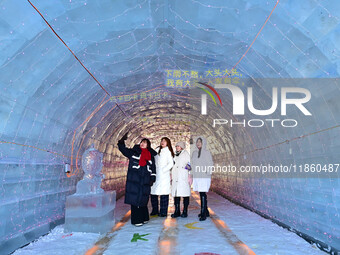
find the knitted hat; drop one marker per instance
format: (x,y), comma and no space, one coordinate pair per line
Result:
(181,144)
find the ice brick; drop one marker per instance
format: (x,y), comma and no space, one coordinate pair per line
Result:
(90,212)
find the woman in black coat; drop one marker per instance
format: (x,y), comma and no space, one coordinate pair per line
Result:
(140,177)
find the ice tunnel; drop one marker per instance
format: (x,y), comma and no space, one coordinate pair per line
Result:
(259,79)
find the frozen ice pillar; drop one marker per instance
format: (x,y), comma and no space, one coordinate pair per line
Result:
(90,209)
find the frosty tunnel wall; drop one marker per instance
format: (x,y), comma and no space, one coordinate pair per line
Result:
(307,203)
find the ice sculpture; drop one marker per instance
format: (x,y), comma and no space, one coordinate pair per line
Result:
(92,165)
(90,209)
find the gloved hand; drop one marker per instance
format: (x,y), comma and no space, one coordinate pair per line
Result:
(152,179)
(123,138)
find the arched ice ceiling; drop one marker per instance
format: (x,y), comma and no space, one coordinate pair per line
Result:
(49,101)
(128,45)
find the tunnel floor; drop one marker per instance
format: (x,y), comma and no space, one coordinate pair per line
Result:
(231,229)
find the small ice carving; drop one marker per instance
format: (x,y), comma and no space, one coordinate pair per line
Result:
(90,209)
(92,165)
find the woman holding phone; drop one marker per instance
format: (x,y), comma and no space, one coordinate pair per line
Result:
(141,175)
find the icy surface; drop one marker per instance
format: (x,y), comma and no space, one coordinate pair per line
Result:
(57,243)
(260,235)
(75,243)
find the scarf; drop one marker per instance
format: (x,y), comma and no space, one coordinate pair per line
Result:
(178,152)
(144,157)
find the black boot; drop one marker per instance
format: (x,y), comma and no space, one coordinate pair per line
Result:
(177,212)
(154,203)
(204,209)
(163,211)
(185,208)
(199,215)
(154,212)
(207,211)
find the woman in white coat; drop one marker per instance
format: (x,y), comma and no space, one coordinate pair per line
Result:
(202,162)
(181,180)
(164,163)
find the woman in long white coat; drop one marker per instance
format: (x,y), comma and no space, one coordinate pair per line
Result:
(201,161)
(164,163)
(181,180)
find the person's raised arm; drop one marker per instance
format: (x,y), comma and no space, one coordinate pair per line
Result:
(121,146)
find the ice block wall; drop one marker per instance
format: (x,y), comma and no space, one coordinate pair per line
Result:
(307,203)
(51,109)
(44,99)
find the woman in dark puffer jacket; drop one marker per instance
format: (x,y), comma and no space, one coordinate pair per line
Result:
(141,175)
